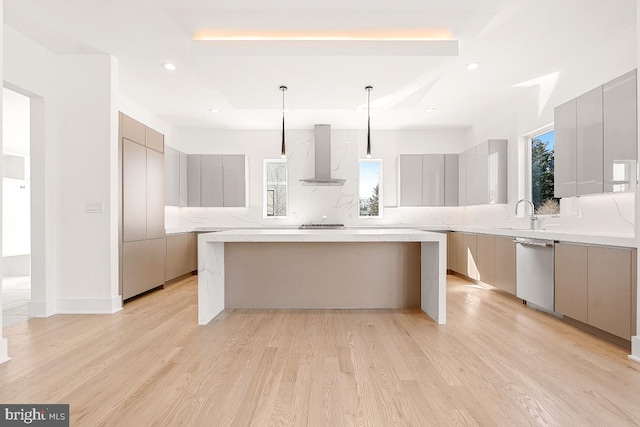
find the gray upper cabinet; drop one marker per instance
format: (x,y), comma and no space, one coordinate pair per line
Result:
(193,180)
(171,176)
(429,180)
(565,119)
(211,185)
(234,180)
(590,148)
(596,140)
(483,173)
(155,194)
(411,179)
(182,180)
(433,180)
(451,175)
(620,133)
(134,191)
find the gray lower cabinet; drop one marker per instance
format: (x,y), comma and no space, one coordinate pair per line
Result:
(485,245)
(590,148)
(505,264)
(620,131)
(143,266)
(565,119)
(595,285)
(470,257)
(181,257)
(193,180)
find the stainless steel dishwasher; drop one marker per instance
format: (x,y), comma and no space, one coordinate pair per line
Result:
(535,278)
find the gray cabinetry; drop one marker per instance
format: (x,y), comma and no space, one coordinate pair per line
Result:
(181,255)
(483,173)
(462,178)
(234,180)
(497,171)
(132,129)
(451,180)
(505,264)
(134,191)
(571,281)
(154,139)
(428,179)
(182,181)
(143,266)
(565,119)
(211,185)
(193,180)
(155,194)
(411,179)
(171,176)
(486,258)
(590,149)
(620,133)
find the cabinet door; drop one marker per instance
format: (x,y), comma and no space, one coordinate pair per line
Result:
(193,252)
(609,290)
(481,174)
(451,186)
(497,179)
(485,257)
(411,179)
(451,252)
(155,194)
(471,177)
(470,268)
(571,281)
(564,174)
(432,180)
(156,258)
(193,180)
(620,133)
(172,269)
(462,178)
(457,242)
(171,177)
(134,191)
(211,187)
(234,180)
(143,266)
(154,140)
(183,179)
(505,264)
(590,148)
(132,129)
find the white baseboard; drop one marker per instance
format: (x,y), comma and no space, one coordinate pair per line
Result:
(635,348)
(41,309)
(4,355)
(89,305)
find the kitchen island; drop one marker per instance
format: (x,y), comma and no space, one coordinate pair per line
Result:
(344,268)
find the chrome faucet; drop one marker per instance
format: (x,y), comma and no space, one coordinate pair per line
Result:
(533,218)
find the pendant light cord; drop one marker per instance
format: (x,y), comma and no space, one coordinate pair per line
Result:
(368,89)
(283,152)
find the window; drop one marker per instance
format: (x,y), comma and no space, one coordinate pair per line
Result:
(541,155)
(275,189)
(370,188)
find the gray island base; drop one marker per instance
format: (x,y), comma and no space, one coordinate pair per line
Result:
(333,269)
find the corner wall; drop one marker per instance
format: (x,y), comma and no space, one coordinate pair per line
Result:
(4,355)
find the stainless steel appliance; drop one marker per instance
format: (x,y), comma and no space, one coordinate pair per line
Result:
(535,281)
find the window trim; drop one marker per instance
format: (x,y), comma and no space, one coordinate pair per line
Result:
(380,191)
(265,188)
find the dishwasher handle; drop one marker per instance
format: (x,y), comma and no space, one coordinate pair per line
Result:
(534,243)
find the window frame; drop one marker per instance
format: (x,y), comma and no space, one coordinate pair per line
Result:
(265,188)
(528,176)
(380,190)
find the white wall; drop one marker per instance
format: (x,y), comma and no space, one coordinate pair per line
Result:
(4,355)
(74,161)
(635,341)
(310,204)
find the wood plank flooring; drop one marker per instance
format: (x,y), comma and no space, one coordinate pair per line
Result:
(496,363)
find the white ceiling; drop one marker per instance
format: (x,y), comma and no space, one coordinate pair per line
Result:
(514,40)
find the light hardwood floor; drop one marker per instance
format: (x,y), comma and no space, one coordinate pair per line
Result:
(496,363)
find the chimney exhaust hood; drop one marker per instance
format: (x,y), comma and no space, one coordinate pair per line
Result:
(323,159)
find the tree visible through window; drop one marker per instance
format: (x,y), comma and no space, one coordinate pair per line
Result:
(542,147)
(369,192)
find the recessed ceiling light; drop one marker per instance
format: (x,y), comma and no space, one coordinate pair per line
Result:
(168,66)
(430,110)
(213,110)
(473,66)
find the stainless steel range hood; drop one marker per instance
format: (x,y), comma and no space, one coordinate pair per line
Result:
(323,159)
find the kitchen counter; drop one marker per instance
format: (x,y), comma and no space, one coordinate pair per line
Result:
(211,262)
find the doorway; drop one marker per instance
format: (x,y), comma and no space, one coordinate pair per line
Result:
(16,207)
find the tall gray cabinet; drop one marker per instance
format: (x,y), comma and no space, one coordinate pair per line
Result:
(142,216)
(596,140)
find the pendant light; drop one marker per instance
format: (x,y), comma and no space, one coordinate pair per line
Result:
(283,151)
(368,89)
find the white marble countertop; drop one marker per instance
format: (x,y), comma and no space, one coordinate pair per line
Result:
(333,235)
(605,239)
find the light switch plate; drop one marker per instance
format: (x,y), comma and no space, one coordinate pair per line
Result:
(94,207)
